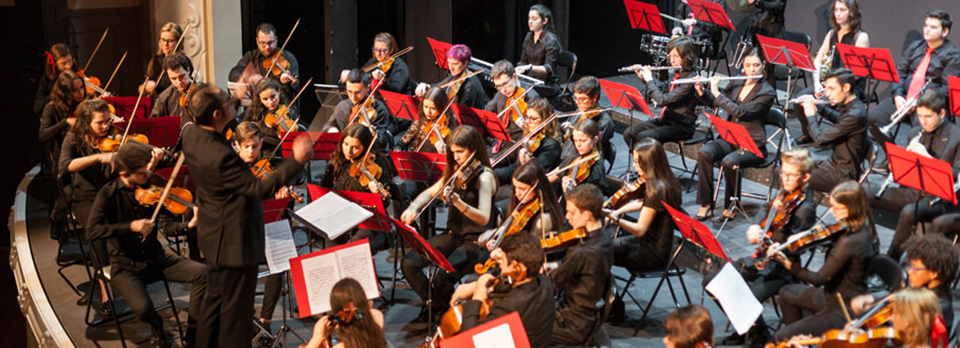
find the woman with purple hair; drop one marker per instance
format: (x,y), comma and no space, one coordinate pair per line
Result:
(469,92)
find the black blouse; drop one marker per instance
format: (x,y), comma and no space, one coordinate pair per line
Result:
(544,51)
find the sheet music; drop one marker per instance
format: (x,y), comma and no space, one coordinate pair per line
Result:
(731,291)
(280,247)
(357,263)
(320,273)
(497,337)
(333,215)
(321,270)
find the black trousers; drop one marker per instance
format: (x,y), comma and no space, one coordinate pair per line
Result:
(462,255)
(825,176)
(912,211)
(797,110)
(635,256)
(272,290)
(709,154)
(879,116)
(132,285)
(658,129)
(227,307)
(798,298)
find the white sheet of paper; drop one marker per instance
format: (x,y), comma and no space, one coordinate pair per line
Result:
(735,297)
(497,337)
(333,215)
(357,262)
(280,247)
(320,273)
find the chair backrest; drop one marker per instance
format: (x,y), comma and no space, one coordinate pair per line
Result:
(567,60)
(889,271)
(605,306)
(797,36)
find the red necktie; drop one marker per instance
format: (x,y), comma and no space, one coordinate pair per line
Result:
(664,110)
(919,75)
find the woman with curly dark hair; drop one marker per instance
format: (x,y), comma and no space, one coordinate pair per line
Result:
(356,324)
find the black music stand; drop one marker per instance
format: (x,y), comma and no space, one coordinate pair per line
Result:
(871,63)
(737,135)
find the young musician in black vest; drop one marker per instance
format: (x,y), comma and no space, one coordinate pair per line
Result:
(230,227)
(469,92)
(136,256)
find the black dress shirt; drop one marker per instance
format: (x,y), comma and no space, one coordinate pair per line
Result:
(582,277)
(543,52)
(944,61)
(532,300)
(847,136)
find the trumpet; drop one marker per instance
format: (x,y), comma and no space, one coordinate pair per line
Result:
(697,79)
(889,180)
(641,67)
(903,111)
(815,101)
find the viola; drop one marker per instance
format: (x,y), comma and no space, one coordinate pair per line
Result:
(263,169)
(438,128)
(777,218)
(563,239)
(805,239)
(280,119)
(519,104)
(178,201)
(514,223)
(365,112)
(627,189)
(839,338)
(534,143)
(878,315)
(454,85)
(583,115)
(91,83)
(184,102)
(452,319)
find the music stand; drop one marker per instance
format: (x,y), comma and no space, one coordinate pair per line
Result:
(323,147)
(272,212)
(711,12)
(419,166)
(437,261)
(871,63)
(161,131)
(482,120)
(183,177)
(124,106)
(625,96)
(401,105)
(439,49)
(926,174)
(695,232)
(644,16)
(737,135)
(954,95)
(369,200)
(787,53)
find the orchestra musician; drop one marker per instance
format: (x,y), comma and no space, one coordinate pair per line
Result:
(137,257)
(932,264)
(935,137)
(58,115)
(586,138)
(534,212)
(941,59)
(395,75)
(352,152)
(746,102)
(678,119)
(470,195)
(429,125)
(169,38)
(174,100)
(251,68)
(60,58)
(844,271)
(586,95)
(508,92)
(847,135)
(230,200)
(915,312)
(358,108)
(689,327)
(469,92)
(540,49)
(353,317)
(584,271)
(521,288)
(845,29)
(544,146)
(267,99)
(647,245)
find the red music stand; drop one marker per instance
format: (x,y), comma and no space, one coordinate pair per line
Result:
(161,131)
(124,106)
(735,134)
(482,120)
(323,146)
(696,232)
(787,53)
(871,63)
(371,201)
(401,105)
(439,49)
(927,174)
(954,95)
(644,16)
(273,209)
(420,245)
(491,331)
(419,166)
(183,180)
(625,96)
(710,12)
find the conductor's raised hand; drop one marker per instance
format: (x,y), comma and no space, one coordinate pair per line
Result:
(302,148)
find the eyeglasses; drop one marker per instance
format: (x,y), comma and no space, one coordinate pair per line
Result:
(793,176)
(509,83)
(580,100)
(910,268)
(168,41)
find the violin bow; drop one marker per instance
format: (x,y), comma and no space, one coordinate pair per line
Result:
(95,49)
(425,139)
(180,40)
(507,109)
(445,85)
(285,135)
(117,68)
(445,184)
(395,55)
(500,235)
(130,122)
(574,164)
(516,145)
(284,46)
(359,112)
(166,189)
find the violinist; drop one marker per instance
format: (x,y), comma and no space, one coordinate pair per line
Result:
(358,108)
(844,270)
(540,47)
(584,271)
(521,288)
(795,212)
(57,116)
(60,58)
(678,119)
(533,212)
(934,137)
(689,327)
(174,100)
(746,102)
(587,166)
(268,100)
(251,68)
(429,121)
(357,323)
(509,92)
(648,244)
(137,257)
(343,173)
(933,262)
(545,145)
(470,197)
(586,95)
(469,92)
(169,38)
(915,316)
(395,75)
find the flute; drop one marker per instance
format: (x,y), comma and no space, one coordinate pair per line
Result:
(803,100)
(641,67)
(707,79)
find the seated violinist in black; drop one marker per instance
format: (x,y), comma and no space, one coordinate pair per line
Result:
(519,288)
(587,166)
(272,112)
(534,208)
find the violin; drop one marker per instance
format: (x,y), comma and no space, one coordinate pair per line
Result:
(804,240)
(178,201)
(366,170)
(437,130)
(365,111)
(91,83)
(454,86)
(280,119)
(461,179)
(878,315)
(184,102)
(112,142)
(515,223)
(262,169)
(592,158)
(452,319)
(581,170)
(563,239)
(276,64)
(583,115)
(777,218)
(627,189)
(384,65)
(839,338)
(518,104)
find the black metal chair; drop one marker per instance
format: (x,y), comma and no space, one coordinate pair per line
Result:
(598,336)
(568,60)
